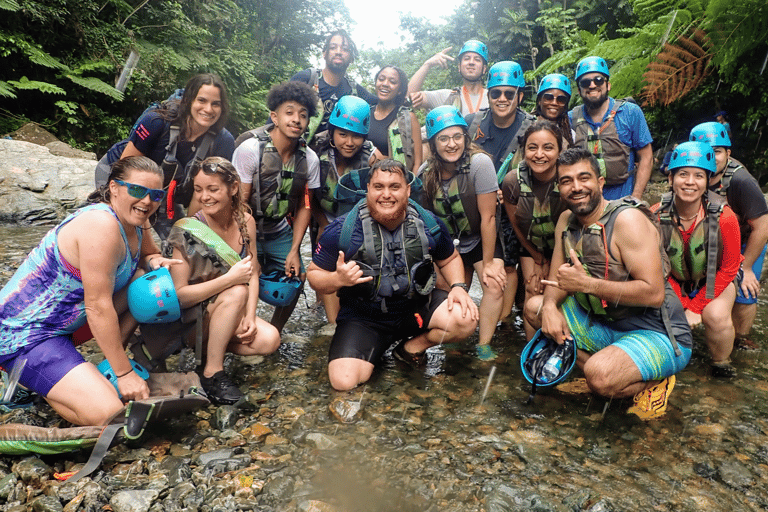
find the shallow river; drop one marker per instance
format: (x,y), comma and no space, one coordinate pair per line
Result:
(424,441)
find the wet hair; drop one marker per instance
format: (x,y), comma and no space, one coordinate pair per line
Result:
(226,172)
(182,111)
(572,156)
(391,166)
(345,39)
(562,120)
(299,92)
(435,165)
(119,171)
(402,92)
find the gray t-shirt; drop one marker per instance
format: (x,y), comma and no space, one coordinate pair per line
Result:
(434,99)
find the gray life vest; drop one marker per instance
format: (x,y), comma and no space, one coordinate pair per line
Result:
(612,154)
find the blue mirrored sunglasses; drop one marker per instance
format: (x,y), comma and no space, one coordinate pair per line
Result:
(140,191)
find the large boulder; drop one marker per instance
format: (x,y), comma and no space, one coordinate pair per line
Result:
(38,187)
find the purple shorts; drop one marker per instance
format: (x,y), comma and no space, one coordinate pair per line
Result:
(47,363)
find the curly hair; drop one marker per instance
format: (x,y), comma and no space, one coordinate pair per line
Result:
(345,39)
(299,92)
(223,168)
(562,120)
(435,166)
(402,92)
(119,171)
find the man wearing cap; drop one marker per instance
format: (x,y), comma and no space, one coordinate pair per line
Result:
(615,131)
(470,97)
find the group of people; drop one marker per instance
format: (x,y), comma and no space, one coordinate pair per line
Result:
(553,196)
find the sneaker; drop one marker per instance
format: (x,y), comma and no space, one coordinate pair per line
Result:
(417,360)
(744,343)
(485,353)
(651,403)
(723,370)
(327,330)
(220,389)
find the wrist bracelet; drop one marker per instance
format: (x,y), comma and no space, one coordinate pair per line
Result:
(123,375)
(460,285)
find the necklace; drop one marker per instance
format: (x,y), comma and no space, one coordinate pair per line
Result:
(688,218)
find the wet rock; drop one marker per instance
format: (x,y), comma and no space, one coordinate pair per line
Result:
(735,474)
(32,470)
(279,488)
(176,469)
(218,466)
(346,411)
(705,470)
(47,504)
(601,506)
(505,498)
(323,442)
(205,458)
(226,416)
(74,504)
(7,484)
(133,500)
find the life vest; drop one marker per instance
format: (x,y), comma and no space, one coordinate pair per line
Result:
(458,209)
(481,127)
(699,264)
(612,154)
(538,219)
(276,191)
(320,116)
(329,176)
(592,244)
(390,258)
(454,99)
(400,138)
(176,179)
(721,188)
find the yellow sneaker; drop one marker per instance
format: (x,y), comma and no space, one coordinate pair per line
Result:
(651,403)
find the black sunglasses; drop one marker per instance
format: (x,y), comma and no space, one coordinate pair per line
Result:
(496,94)
(584,82)
(560,99)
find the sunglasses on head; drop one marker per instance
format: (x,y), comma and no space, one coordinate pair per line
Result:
(496,94)
(584,82)
(140,191)
(560,99)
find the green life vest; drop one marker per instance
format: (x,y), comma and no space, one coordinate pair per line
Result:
(538,219)
(329,176)
(400,138)
(612,154)
(458,209)
(321,116)
(698,265)
(277,189)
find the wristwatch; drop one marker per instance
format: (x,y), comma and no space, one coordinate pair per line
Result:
(460,285)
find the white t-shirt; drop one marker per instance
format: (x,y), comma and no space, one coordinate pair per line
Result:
(434,99)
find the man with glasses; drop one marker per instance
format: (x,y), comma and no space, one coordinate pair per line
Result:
(470,97)
(615,131)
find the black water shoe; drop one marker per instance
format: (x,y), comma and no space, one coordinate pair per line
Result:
(417,360)
(220,389)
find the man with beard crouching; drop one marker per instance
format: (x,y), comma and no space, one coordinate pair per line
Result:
(614,302)
(379,258)
(615,131)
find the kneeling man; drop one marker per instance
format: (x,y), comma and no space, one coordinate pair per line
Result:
(607,291)
(379,258)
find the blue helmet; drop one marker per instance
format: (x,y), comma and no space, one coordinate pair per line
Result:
(478,47)
(352,114)
(693,154)
(592,65)
(278,289)
(536,354)
(441,118)
(555,81)
(106,370)
(152,298)
(712,133)
(506,72)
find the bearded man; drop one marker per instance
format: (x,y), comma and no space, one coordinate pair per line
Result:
(380,259)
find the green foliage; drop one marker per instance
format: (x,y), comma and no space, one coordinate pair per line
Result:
(25,84)
(9,5)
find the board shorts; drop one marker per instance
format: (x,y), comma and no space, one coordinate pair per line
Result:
(48,362)
(272,250)
(757,268)
(651,351)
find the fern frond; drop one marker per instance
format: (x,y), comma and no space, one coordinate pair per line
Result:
(97,65)
(25,84)
(679,68)
(41,58)
(6,90)
(9,5)
(97,85)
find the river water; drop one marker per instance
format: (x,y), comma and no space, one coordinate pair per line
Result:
(423,440)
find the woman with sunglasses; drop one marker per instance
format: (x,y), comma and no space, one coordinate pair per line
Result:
(533,204)
(395,131)
(72,277)
(552,104)
(460,188)
(217,249)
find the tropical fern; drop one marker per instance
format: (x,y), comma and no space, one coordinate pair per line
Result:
(97,85)
(678,69)
(735,28)
(9,5)
(6,90)
(33,85)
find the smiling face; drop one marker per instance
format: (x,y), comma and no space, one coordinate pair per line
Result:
(689,184)
(450,144)
(594,95)
(472,67)
(387,85)
(338,56)
(387,197)
(213,194)
(580,187)
(504,100)
(347,143)
(552,103)
(130,210)
(290,119)
(541,152)
(721,159)
(206,107)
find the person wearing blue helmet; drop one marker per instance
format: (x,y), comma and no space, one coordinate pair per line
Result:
(217,249)
(615,131)
(460,188)
(701,238)
(740,189)
(552,104)
(276,170)
(607,291)
(470,97)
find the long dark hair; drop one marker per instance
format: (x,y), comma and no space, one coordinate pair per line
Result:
(181,111)
(562,121)
(118,171)
(402,92)
(223,168)
(435,165)
(542,125)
